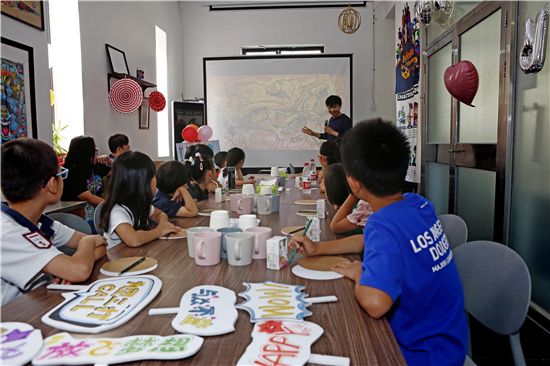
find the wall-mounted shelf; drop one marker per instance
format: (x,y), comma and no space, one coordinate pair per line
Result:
(113,75)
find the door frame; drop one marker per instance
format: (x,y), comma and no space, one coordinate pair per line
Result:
(485,156)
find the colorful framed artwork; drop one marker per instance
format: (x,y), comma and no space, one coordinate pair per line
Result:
(28,12)
(144,115)
(18,94)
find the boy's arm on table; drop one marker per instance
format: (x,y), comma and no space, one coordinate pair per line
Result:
(189,209)
(340,222)
(374,301)
(90,198)
(136,238)
(349,245)
(79,266)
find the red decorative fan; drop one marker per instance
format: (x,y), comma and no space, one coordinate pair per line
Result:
(126,96)
(156,101)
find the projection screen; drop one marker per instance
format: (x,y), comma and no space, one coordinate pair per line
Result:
(261,103)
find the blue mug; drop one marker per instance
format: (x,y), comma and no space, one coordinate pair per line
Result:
(275,202)
(224,231)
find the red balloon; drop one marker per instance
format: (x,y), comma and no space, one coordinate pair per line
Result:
(189,134)
(195,127)
(462,81)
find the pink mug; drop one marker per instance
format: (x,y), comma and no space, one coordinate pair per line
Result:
(207,247)
(245,205)
(235,201)
(261,234)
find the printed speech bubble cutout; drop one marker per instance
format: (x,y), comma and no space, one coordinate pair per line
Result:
(62,349)
(204,310)
(281,342)
(270,300)
(20,343)
(105,304)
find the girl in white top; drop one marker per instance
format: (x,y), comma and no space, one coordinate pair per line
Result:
(127,215)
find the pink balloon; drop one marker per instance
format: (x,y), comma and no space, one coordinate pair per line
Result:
(205,133)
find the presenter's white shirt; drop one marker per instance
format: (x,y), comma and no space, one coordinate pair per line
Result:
(22,261)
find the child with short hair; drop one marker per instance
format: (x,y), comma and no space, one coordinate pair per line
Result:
(127,215)
(235,159)
(32,180)
(337,189)
(329,153)
(172,196)
(118,144)
(220,159)
(402,274)
(201,172)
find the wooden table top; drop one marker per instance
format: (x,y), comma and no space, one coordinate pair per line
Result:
(348,330)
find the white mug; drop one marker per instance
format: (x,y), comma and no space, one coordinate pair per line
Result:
(274,171)
(265,190)
(261,234)
(190,232)
(247,221)
(264,205)
(248,189)
(239,248)
(218,219)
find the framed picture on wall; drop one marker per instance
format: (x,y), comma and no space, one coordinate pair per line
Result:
(117,58)
(18,94)
(144,115)
(28,12)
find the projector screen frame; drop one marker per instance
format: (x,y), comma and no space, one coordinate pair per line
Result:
(262,57)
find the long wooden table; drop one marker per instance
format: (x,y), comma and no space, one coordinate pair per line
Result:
(348,330)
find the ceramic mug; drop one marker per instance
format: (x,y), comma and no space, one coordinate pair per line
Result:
(239,248)
(234,198)
(274,171)
(261,234)
(218,219)
(264,205)
(247,221)
(245,205)
(275,202)
(225,231)
(248,189)
(190,232)
(265,189)
(207,247)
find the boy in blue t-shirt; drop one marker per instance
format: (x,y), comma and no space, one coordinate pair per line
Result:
(408,271)
(172,196)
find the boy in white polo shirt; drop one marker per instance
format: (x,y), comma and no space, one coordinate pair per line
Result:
(32,180)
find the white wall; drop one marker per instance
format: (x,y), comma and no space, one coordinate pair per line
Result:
(129,26)
(222,33)
(38,40)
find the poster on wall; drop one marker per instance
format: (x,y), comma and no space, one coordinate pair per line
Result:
(407,88)
(17,90)
(28,12)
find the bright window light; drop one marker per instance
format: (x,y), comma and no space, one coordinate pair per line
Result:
(66,62)
(163,137)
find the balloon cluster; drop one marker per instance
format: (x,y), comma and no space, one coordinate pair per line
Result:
(193,133)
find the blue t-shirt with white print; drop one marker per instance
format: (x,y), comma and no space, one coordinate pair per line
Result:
(407,256)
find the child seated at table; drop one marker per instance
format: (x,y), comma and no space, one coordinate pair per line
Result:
(220,159)
(201,172)
(172,196)
(408,272)
(329,153)
(235,159)
(32,180)
(337,189)
(207,153)
(127,215)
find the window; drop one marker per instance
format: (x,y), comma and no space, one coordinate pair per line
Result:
(163,136)
(283,50)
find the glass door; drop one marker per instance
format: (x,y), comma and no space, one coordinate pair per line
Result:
(465,147)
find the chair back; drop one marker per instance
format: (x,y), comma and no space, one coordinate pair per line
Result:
(496,283)
(72,221)
(97,218)
(455,229)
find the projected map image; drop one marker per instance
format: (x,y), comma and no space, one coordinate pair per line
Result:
(267,112)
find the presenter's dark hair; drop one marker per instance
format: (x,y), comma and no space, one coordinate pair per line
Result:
(333,100)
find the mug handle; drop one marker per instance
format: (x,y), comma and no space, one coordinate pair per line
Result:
(201,251)
(238,250)
(256,244)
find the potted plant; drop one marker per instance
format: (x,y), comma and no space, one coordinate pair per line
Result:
(57,129)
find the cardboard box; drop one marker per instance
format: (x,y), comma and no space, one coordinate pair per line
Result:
(277,252)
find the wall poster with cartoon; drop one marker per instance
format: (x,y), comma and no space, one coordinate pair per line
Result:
(407,88)
(18,108)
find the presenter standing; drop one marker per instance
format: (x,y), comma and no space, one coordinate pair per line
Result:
(338,124)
